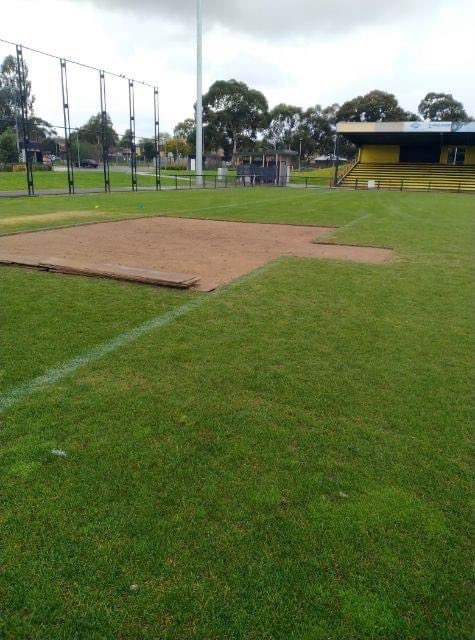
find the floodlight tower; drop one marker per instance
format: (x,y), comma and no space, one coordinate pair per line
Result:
(199,93)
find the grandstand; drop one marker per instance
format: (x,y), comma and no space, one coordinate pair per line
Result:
(422,156)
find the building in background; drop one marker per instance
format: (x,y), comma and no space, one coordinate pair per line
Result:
(410,155)
(267,167)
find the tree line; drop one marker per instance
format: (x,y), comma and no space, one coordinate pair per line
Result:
(235,116)
(10,113)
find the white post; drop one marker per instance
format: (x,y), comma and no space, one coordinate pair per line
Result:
(199,93)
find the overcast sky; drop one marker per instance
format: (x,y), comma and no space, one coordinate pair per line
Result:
(300,52)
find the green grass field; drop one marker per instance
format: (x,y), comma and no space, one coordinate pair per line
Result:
(94,179)
(90,179)
(316,177)
(287,459)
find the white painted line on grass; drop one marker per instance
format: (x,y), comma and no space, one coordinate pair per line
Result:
(364,216)
(56,374)
(16,395)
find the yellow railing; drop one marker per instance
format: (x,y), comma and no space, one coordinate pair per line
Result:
(346,168)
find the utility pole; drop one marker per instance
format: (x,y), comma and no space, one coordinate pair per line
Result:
(199,93)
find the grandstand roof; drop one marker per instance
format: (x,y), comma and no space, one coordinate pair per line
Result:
(460,133)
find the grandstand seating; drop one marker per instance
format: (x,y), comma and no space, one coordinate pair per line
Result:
(419,177)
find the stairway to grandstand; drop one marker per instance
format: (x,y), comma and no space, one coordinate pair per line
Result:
(417,177)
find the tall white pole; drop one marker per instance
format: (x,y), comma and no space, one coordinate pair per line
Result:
(199,93)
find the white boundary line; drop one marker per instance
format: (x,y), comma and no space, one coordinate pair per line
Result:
(55,374)
(16,395)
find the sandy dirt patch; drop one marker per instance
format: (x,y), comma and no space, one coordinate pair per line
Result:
(47,217)
(201,253)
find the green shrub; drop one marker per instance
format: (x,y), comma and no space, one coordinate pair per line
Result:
(8,147)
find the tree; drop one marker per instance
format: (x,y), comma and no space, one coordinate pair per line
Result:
(126,140)
(284,123)
(8,148)
(331,113)
(86,150)
(164,137)
(375,106)
(10,110)
(316,131)
(231,111)
(179,147)
(442,107)
(185,129)
(148,147)
(41,130)
(91,132)
(10,93)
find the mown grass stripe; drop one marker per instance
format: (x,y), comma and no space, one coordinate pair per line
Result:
(8,400)
(55,374)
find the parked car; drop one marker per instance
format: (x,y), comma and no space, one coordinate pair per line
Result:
(88,163)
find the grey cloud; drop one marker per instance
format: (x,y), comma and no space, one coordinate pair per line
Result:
(279,18)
